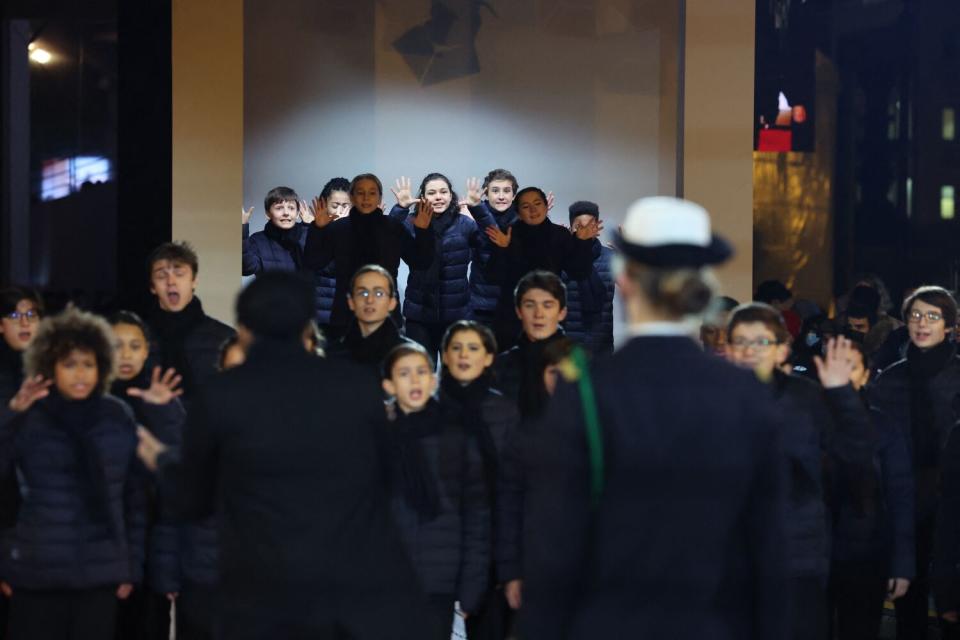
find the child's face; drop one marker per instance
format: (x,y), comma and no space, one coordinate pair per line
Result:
(465,356)
(438,194)
(76,375)
(500,195)
(132,350)
(234,357)
(283,214)
(370,299)
(411,382)
(173,283)
(924,332)
(20,327)
(754,346)
(860,375)
(338,204)
(366,196)
(531,208)
(540,314)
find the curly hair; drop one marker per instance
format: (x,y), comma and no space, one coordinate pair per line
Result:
(72,329)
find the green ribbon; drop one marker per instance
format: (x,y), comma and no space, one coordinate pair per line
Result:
(591,417)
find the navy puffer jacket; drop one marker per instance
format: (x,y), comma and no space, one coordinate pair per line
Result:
(590,304)
(262,254)
(484,290)
(325,289)
(441,293)
(60,541)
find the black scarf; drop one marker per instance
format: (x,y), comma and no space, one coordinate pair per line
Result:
(430,282)
(365,233)
(469,400)
(415,481)
(172,330)
(533,395)
(534,245)
(922,367)
(372,349)
(11,364)
(288,239)
(120,387)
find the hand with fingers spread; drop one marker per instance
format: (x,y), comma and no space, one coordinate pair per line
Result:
(321,215)
(245,214)
(149,448)
(498,237)
(550,201)
(30,391)
(162,389)
(590,230)
(304,211)
(124,591)
(835,367)
(424,214)
(475,192)
(403,192)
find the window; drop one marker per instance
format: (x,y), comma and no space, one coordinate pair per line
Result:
(63,176)
(947,202)
(949,124)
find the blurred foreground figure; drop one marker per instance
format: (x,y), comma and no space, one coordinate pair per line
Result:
(655,499)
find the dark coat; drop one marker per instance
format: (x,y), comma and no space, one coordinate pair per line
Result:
(325,289)
(518,374)
(386,242)
(60,540)
(440,294)
(485,292)
(687,539)
(262,254)
(367,352)
(302,511)
(590,304)
(11,377)
(451,551)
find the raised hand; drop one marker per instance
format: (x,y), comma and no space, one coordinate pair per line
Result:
(498,237)
(162,389)
(513,591)
(550,200)
(897,588)
(321,215)
(149,448)
(475,192)
(30,391)
(590,230)
(403,192)
(304,211)
(835,367)
(245,215)
(124,591)
(424,214)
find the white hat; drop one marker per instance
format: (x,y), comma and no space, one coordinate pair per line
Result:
(669,232)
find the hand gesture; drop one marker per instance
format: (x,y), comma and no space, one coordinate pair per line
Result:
(513,591)
(464,210)
(162,390)
(590,230)
(475,192)
(835,367)
(424,215)
(245,215)
(6,589)
(304,212)
(30,391)
(149,448)
(403,193)
(124,591)
(550,201)
(321,216)
(897,588)
(498,237)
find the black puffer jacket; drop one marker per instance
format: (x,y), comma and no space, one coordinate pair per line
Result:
(590,304)
(484,291)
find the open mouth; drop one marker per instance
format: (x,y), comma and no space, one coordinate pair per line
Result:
(464,366)
(125,369)
(416,394)
(173,297)
(24,336)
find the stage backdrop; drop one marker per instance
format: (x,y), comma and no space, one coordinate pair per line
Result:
(578,97)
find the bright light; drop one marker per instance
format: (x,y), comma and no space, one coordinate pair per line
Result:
(40,56)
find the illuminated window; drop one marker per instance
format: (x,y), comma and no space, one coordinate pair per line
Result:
(949,124)
(62,176)
(947,202)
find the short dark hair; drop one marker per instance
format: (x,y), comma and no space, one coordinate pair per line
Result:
(770,291)
(71,329)
(454,199)
(527,190)
(373,268)
(541,279)
(279,194)
(936,296)
(759,312)
(366,176)
(278,304)
(131,318)
(335,184)
(864,302)
(174,252)
(486,335)
(11,297)
(501,174)
(405,348)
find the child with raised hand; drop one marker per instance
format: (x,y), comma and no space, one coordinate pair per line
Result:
(365,236)
(437,490)
(279,247)
(335,197)
(78,542)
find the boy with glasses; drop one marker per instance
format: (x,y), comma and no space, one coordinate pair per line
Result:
(815,422)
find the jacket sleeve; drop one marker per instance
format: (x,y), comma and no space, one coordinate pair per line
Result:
(475,558)
(509,534)
(578,257)
(399,213)
(418,249)
(482,216)
(135,518)
(898,492)
(252,264)
(188,476)
(165,421)
(9,423)
(848,430)
(318,247)
(945,577)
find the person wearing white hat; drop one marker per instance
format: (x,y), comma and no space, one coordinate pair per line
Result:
(654,503)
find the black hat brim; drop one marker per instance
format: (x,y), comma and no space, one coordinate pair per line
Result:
(676,255)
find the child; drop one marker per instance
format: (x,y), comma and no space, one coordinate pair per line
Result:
(590,300)
(20,311)
(541,305)
(437,296)
(336,196)
(438,497)
(499,188)
(78,543)
(365,236)
(279,247)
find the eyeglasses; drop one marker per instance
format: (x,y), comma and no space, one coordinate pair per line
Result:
(31,315)
(376,293)
(759,344)
(932,316)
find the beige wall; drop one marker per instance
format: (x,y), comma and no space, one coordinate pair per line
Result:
(718,130)
(208,143)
